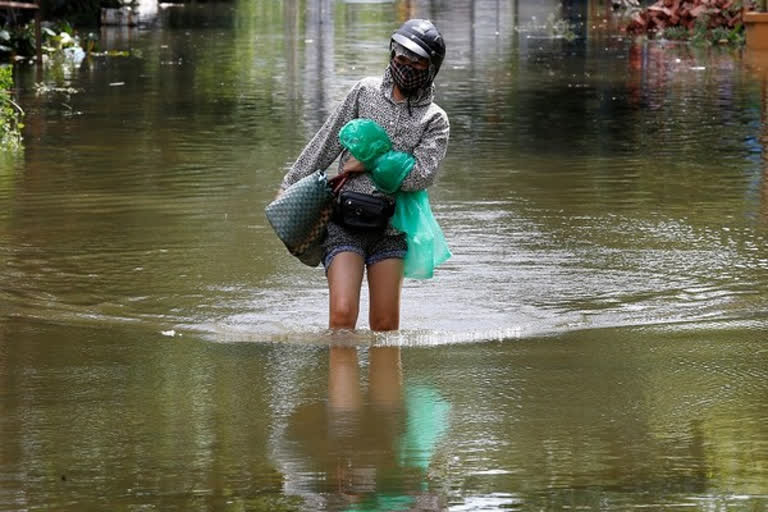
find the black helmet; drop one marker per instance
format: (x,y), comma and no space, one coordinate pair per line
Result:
(422,38)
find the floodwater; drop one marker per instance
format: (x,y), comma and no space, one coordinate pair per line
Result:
(597,342)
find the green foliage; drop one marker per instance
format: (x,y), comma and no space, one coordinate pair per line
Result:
(704,35)
(91,43)
(724,35)
(10,114)
(719,23)
(21,39)
(5,41)
(58,36)
(678,33)
(701,30)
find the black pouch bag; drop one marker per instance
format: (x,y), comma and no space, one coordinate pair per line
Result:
(363,211)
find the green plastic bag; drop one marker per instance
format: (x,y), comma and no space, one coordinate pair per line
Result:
(390,169)
(366,140)
(369,143)
(426,243)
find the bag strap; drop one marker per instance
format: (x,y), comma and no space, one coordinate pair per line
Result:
(338,181)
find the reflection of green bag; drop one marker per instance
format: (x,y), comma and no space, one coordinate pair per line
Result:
(300,216)
(427,421)
(428,414)
(370,144)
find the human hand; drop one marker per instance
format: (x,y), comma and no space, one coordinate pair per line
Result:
(353,165)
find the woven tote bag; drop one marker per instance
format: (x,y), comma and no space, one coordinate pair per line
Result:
(301,214)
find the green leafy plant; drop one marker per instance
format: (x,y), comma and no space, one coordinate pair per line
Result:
(11,114)
(5,41)
(723,35)
(701,32)
(21,39)
(701,22)
(676,33)
(58,41)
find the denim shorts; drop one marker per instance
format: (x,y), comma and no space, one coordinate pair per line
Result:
(373,246)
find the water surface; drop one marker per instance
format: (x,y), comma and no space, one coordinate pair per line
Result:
(595,343)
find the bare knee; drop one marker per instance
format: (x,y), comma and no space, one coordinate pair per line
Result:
(343,315)
(384,321)
(384,282)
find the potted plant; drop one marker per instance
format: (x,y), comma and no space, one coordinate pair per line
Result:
(756,23)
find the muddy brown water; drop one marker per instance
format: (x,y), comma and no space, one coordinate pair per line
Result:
(597,341)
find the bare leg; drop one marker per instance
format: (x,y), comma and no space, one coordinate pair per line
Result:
(385,376)
(344,379)
(345,401)
(385,280)
(344,279)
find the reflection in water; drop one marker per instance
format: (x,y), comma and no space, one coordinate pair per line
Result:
(319,73)
(606,419)
(365,451)
(764,138)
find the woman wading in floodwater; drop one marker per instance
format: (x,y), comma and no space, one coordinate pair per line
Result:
(401,102)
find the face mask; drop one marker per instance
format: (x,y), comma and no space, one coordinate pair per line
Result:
(409,79)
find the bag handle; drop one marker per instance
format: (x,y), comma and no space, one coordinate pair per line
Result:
(338,181)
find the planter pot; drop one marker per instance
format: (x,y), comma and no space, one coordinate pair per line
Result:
(756,24)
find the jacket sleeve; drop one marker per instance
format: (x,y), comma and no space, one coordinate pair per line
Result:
(324,147)
(428,154)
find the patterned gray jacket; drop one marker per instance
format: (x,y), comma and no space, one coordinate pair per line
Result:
(421,129)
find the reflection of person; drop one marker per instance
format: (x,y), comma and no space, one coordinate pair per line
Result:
(350,440)
(402,103)
(372,449)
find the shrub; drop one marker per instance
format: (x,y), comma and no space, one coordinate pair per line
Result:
(10,113)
